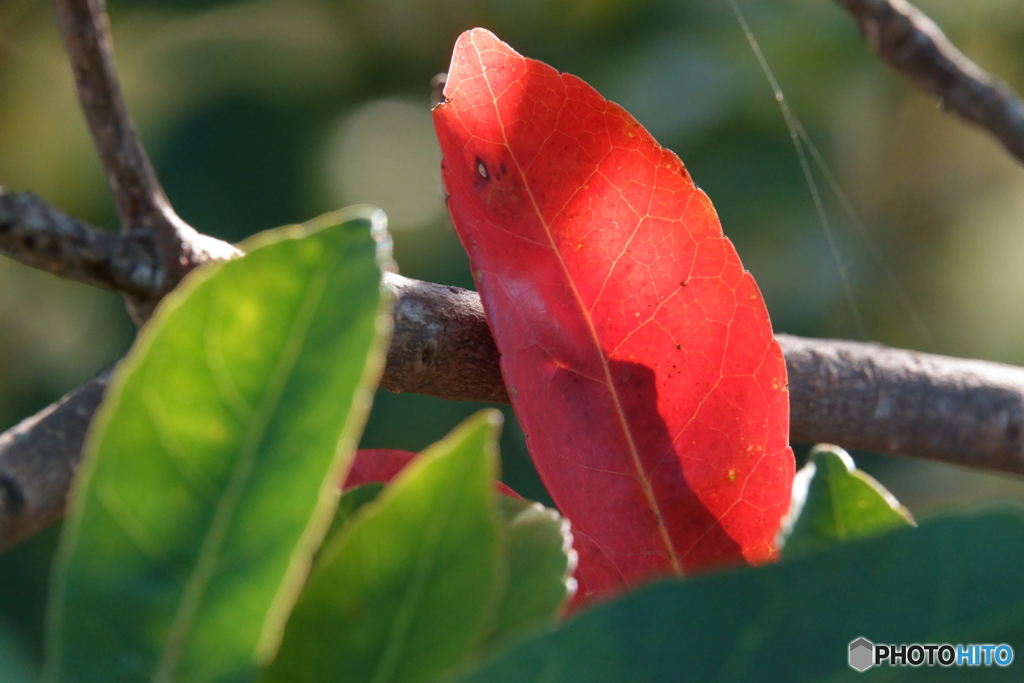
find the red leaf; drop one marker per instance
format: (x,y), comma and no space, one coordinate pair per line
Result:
(376,465)
(637,351)
(383,464)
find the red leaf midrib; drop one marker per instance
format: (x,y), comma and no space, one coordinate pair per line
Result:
(634,454)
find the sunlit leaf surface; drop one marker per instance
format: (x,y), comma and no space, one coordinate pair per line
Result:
(211,471)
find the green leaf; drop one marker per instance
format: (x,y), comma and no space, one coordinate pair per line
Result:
(834,502)
(211,470)
(405,591)
(540,562)
(953,580)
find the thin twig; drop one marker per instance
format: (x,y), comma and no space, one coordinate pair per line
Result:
(140,201)
(85,29)
(910,42)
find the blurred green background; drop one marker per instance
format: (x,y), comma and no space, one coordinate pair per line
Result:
(260,113)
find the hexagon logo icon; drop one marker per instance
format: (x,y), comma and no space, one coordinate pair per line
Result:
(862,654)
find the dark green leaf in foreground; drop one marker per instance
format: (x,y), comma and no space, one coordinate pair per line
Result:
(952,580)
(406,589)
(211,471)
(834,502)
(540,563)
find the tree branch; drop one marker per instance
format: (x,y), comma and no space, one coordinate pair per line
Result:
(85,30)
(38,235)
(875,398)
(39,458)
(861,396)
(441,344)
(141,203)
(910,42)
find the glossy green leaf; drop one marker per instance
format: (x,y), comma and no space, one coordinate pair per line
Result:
(834,502)
(952,580)
(211,470)
(406,590)
(540,562)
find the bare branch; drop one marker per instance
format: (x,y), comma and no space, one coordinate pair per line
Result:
(140,201)
(38,235)
(441,344)
(875,398)
(38,459)
(910,42)
(861,396)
